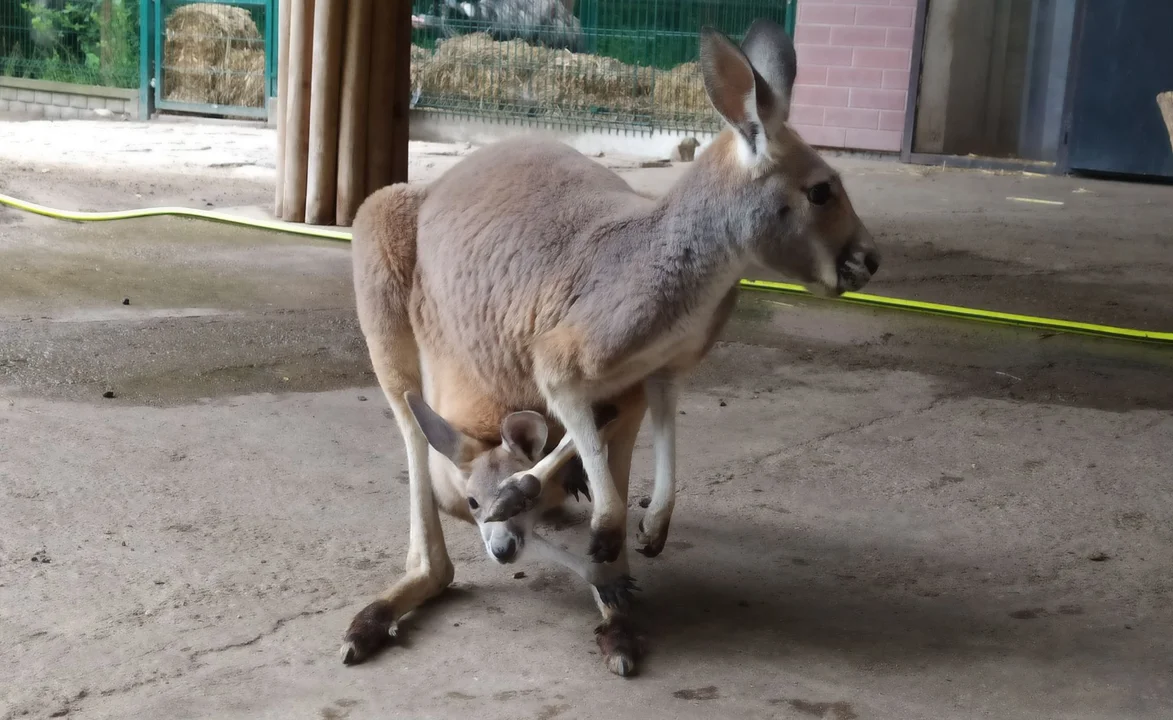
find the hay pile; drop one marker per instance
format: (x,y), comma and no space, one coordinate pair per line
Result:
(213,53)
(475,69)
(681,91)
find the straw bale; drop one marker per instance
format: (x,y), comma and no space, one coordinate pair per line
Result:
(207,49)
(681,90)
(478,70)
(242,79)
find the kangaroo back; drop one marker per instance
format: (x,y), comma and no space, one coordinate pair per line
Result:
(383,253)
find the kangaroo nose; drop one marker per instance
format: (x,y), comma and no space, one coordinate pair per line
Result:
(872,262)
(505,554)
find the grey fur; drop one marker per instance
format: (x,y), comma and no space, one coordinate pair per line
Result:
(770,50)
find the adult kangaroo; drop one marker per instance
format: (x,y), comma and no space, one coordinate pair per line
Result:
(541,280)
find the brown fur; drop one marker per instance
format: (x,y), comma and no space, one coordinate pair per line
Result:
(384,258)
(539,281)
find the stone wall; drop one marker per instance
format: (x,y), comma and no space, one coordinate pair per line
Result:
(63,101)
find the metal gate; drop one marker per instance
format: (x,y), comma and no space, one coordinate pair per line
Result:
(210,58)
(619,65)
(1125,58)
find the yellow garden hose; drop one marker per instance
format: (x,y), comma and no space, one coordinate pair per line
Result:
(78,216)
(989,316)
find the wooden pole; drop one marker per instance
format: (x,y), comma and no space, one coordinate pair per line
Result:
(345,87)
(325,86)
(107,40)
(297,116)
(380,96)
(401,88)
(283,12)
(352,125)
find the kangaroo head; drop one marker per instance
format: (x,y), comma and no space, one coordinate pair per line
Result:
(785,206)
(484,467)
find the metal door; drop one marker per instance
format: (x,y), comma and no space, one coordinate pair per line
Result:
(1124,59)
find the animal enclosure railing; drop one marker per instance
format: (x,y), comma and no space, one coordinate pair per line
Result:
(215,58)
(620,64)
(84,42)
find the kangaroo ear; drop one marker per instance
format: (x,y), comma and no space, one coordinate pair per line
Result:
(525,433)
(445,439)
(730,85)
(770,51)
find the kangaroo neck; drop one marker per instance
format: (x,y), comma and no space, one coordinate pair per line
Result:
(701,226)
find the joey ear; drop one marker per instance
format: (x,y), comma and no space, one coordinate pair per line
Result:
(730,83)
(445,439)
(770,51)
(525,433)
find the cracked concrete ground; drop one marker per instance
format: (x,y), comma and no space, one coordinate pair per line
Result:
(881,515)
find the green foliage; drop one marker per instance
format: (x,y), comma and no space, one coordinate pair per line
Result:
(92,42)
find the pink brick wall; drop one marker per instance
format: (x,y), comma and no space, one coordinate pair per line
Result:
(853,66)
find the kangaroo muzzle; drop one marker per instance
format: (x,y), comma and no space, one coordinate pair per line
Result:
(855,267)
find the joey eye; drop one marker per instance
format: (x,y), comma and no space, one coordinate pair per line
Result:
(473,504)
(819,194)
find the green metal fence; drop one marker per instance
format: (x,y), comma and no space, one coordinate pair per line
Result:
(620,64)
(623,64)
(214,58)
(88,42)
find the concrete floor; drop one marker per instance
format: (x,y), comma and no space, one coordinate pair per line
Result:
(881,516)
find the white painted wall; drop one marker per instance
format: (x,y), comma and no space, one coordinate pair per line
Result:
(438,127)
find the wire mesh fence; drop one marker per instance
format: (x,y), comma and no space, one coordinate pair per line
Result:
(620,63)
(627,64)
(88,42)
(214,55)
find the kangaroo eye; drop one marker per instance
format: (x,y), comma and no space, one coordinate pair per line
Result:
(473,504)
(819,194)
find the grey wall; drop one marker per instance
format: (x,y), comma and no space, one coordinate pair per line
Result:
(1042,119)
(991,72)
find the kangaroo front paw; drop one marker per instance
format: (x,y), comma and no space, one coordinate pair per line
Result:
(372,629)
(651,541)
(515,496)
(618,594)
(574,479)
(605,544)
(620,645)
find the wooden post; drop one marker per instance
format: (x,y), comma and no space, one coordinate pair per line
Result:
(352,126)
(297,115)
(344,73)
(325,85)
(283,12)
(400,36)
(106,40)
(381,95)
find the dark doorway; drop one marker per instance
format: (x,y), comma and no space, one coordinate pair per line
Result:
(992,78)
(1124,59)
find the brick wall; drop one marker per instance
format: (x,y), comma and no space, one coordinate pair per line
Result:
(853,67)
